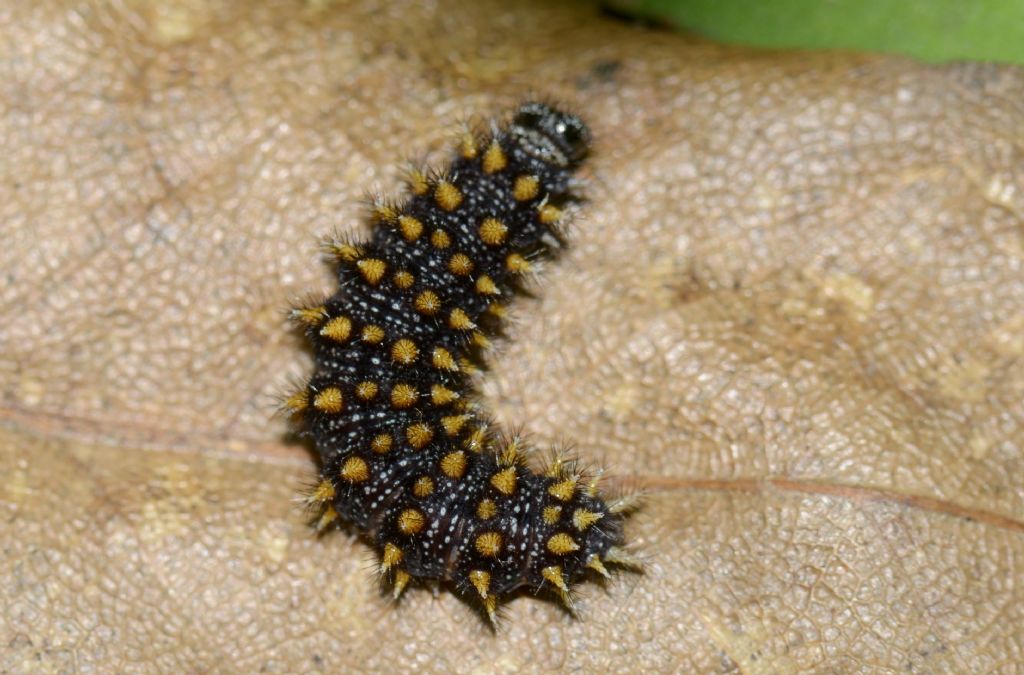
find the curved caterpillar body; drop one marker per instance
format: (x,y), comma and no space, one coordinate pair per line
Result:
(406,455)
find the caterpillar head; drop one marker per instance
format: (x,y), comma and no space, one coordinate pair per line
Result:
(550,135)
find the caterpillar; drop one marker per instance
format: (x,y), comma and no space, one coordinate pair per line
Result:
(407,456)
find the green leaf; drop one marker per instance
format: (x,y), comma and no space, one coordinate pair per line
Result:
(931,30)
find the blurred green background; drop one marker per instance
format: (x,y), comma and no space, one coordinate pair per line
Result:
(931,30)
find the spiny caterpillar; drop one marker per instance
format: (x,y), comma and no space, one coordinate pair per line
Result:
(406,454)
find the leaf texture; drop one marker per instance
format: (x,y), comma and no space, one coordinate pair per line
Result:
(792,312)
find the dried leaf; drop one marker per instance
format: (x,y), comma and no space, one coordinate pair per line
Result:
(793,311)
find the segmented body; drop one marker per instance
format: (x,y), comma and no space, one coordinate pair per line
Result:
(406,457)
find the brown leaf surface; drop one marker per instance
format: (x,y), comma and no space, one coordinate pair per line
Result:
(794,310)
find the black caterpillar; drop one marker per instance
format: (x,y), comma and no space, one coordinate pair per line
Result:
(406,455)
